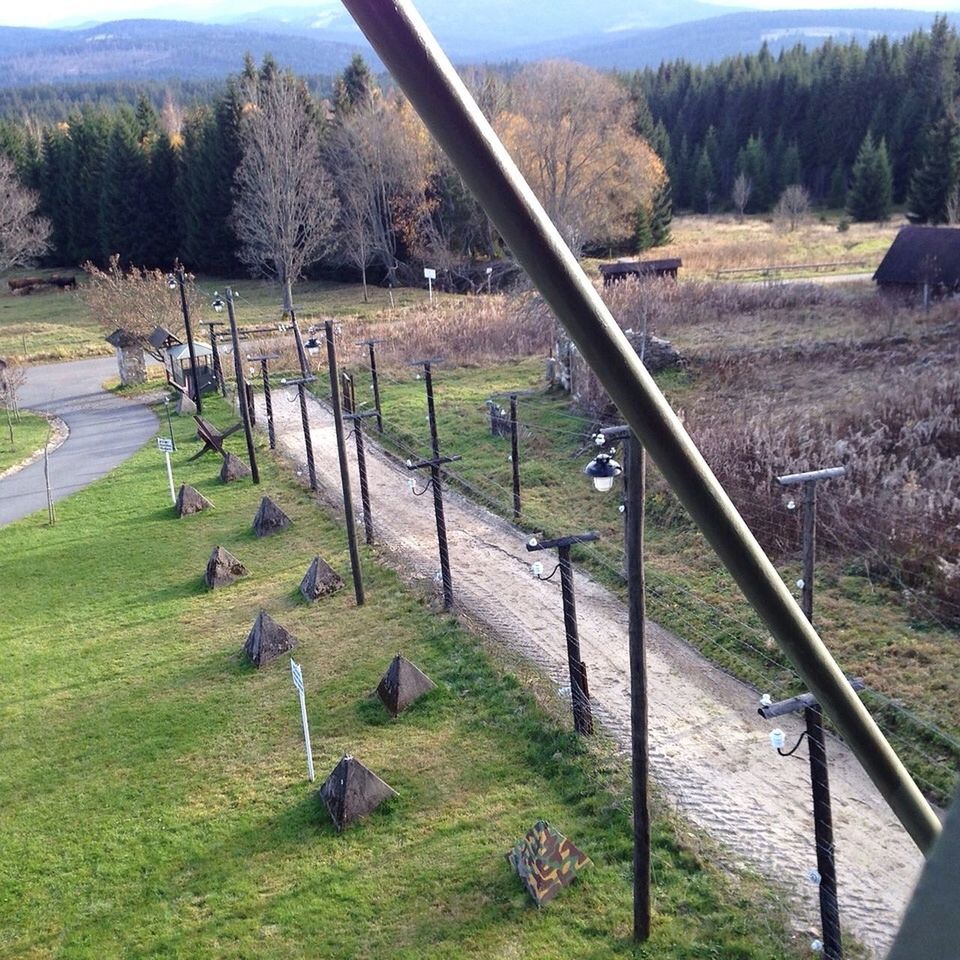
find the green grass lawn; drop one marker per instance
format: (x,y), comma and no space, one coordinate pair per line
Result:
(29,435)
(153,797)
(864,623)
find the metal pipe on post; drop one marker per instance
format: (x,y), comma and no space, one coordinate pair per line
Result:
(238,372)
(185,310)
(344,470)
(579,690)
(376,379)
(409,51)
(515,456)
(267,393)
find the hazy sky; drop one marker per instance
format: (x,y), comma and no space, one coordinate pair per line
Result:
(41,13)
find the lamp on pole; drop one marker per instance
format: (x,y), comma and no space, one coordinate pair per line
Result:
(603,470)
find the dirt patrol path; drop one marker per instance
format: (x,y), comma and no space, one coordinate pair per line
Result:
(710,751)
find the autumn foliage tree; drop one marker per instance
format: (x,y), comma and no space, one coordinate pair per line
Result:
(570,130)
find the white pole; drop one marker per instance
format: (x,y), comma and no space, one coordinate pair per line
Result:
(173,494)
(430,287)
(306,735)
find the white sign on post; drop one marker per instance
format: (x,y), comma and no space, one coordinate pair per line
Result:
(297,673)
(431,275)
(166,446)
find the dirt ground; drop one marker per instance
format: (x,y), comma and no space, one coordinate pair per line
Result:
(710,751)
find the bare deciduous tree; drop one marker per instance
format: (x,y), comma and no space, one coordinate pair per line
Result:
(793,206)
(136,301)
(570,131)
(383,161)
(286,206)
(23,235)
(953,206)
(740,195)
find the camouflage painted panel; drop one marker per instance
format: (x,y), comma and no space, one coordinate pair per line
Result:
(546,861)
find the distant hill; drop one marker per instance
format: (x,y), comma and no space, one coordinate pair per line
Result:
(615,33)
(710,40)
(155,50)
(483,31)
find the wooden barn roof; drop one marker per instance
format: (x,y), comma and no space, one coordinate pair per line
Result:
(921,255)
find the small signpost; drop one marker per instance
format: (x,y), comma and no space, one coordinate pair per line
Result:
(166,446)
(297,674)
(431,275)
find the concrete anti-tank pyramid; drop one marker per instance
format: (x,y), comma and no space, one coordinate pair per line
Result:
(403,683)
(319,580)
(267,640)
(233,469)
(269,519)
(223,568)
(185,406)
(546,861)
(190,500)
(352,791)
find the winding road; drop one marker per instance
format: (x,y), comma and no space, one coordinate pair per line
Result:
(104,431)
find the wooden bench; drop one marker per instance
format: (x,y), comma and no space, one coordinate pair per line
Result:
(212,437)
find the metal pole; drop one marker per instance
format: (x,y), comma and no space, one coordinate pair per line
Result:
(307,440)
(181,281)
(51,509)
(582,719)
(635,481)
(344,471)
(515,456)
(409,51)
(436,481)
(173,492)
(238,372)
(166,406)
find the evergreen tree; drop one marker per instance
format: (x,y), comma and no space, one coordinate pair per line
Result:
(837,196)
(938,174)
(642,234)
(703,182)
(122,219)
(661,216)
(354,87)
(88,137)
(754,164)
(871,188)
(147,123)
(162,240)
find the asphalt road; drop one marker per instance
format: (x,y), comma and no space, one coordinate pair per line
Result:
(104,431)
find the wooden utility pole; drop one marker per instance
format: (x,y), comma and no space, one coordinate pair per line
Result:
(515,455)
(579,689)
(813,720)
(344,470)
(634,478)
(241,388)
(188,326)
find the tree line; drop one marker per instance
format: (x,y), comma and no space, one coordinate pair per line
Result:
(862,127)
(155,183)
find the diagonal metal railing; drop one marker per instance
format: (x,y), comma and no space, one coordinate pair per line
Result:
(418,64)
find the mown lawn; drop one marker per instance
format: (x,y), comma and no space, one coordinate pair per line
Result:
(153,797)
(29,434)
